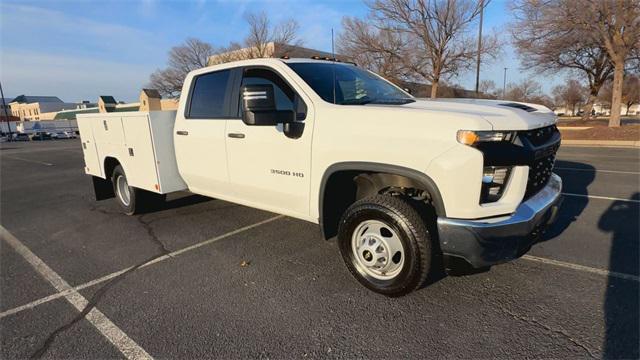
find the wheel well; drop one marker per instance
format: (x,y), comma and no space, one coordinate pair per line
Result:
(343,188)
(110,164)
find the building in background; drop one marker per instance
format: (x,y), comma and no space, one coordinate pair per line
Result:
(29,108)
(149,100)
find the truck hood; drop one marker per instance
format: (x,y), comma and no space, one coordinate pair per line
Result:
(501,114)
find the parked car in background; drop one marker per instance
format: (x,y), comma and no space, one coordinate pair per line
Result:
(63,135)
(21,137)
(41,135)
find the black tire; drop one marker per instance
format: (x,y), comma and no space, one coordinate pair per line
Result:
(399,216)
(132,206)
(139,200)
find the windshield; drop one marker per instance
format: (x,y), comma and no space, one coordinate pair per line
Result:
(353,86)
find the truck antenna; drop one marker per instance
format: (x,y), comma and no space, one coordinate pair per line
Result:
(333,51)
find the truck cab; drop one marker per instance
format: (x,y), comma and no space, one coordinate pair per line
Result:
(400,181)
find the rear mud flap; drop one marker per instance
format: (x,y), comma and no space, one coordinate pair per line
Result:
(102,188)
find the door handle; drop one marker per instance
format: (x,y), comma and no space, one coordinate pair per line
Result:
(236,135)
(182,132)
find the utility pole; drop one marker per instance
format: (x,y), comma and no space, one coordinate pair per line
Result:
(6,115)
(479,50)
(504,83)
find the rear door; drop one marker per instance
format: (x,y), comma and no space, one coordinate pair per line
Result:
(199,133)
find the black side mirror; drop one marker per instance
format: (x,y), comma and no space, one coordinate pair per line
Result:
(260,107)
(407,90)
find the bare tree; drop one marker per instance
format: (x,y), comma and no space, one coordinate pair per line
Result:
(631,91)
(570,95)
(261,33)
(429,39)
(191,55)
(374,49)
(194,54)
(523,91)
(488,89)
(547,42)
(616,24)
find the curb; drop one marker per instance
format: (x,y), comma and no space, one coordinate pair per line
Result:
(614,143)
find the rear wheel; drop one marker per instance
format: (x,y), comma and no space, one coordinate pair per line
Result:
(126,196)
(385,244)
(132,200)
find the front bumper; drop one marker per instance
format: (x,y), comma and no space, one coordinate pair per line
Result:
(492,241)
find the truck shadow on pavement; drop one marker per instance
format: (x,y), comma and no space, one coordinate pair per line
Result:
(622,300)
(176,201)
(575,183)
(622,333)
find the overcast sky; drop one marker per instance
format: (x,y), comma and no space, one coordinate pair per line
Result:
(78,50)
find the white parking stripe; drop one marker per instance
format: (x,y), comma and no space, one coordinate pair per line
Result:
(582,268)
(601,197)
(114,274)
(596,170)
(108,329)
(28,160)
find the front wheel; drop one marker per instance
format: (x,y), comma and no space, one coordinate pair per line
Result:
(385,244)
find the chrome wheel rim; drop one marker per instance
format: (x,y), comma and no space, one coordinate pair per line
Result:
(123,190)
(377,250)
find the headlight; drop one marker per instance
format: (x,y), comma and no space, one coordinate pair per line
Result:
(468,137)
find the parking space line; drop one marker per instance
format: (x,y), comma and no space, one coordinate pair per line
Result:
(596,170)
(28,160)
(602,197)
(107,277)
(583,268)
(129,348)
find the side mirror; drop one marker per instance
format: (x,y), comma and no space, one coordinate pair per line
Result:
(259,107)
(407,90)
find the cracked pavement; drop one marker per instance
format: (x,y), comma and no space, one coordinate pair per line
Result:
(293,297)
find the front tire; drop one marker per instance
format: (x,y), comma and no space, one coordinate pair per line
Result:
(385,244)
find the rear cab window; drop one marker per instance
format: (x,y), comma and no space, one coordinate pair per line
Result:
(209,96)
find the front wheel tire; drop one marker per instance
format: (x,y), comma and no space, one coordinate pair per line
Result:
(385,244)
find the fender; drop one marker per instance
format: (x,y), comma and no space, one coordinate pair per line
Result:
(419,177)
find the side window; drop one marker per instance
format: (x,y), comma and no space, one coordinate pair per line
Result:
(285,96)
(283,93)
(208,95)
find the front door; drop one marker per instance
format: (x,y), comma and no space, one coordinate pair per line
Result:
(268,169)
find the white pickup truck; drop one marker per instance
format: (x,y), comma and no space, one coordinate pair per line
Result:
(400,181)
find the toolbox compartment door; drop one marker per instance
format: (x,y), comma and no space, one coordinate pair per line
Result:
(92,164)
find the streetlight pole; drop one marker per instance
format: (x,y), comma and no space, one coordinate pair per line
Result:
(504,83)
(6,115)
(479,50)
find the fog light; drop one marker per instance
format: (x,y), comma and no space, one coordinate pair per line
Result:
(494,179)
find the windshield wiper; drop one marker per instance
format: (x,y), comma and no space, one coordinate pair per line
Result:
(361,101)
(393,101)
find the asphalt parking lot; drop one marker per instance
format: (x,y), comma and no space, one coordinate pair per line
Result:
(227,281)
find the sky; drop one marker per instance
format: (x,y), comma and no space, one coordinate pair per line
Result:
(80,49)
